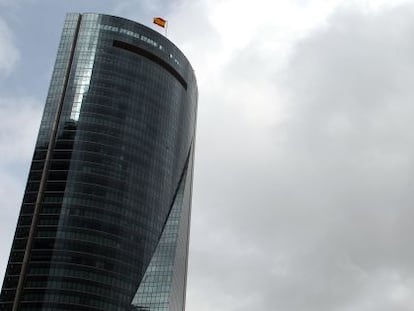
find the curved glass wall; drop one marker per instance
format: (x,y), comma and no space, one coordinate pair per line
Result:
(111,174)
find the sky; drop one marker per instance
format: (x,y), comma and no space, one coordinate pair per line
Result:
(304,173)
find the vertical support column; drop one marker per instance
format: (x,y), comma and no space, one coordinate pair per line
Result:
(43,180)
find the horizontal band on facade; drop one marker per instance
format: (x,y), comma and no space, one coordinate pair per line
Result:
(140,51)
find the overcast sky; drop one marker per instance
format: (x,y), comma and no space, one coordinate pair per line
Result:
(304,176)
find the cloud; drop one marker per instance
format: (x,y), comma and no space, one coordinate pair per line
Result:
(311,211)
(9,54)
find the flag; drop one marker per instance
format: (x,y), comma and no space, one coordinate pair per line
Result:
(160,22)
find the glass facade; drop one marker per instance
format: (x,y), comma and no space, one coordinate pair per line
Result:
(105,216)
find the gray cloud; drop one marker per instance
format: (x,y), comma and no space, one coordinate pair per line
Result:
(314,214)
(9,54)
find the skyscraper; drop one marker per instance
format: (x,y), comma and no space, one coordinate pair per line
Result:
(105,216)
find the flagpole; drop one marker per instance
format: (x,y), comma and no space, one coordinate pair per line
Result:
(166,27)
